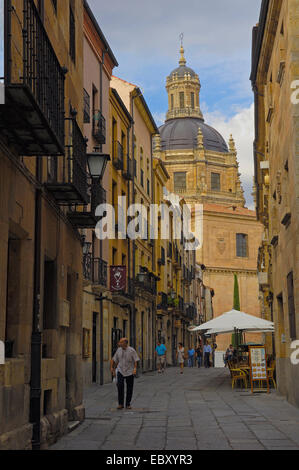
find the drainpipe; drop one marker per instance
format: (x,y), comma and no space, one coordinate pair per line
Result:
(133,310)
(36,338)
(101,243)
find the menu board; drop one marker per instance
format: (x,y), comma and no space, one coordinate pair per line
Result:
(258,365)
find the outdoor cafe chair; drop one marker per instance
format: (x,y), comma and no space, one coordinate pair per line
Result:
(271,371)
(238,375)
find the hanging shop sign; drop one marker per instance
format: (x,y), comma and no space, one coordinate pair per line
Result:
(118,277)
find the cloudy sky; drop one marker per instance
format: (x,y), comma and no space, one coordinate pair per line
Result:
(144,37)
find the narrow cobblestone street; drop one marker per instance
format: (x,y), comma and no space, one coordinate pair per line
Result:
(194,411)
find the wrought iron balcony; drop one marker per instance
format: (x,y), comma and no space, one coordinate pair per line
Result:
(95,270)
(83,217)
(118,156)
(190,311)
(68,183)
(128,172)
(99,127)
(179,305)
(33,115)
(100,272)
(162,302)
(147,281)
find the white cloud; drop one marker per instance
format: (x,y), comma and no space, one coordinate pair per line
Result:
(241,126)
(159,118)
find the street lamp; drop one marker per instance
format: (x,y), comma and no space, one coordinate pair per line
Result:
(97,163)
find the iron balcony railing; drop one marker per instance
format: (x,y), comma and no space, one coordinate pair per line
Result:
(34,84)
(190,311)
(100,272)
(95,270)
(99,127)
(118,156)
(128,172)
(162,302)
(147,281)
(68,183)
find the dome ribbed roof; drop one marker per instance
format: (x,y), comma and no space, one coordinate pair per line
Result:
(182,133)
(182,70)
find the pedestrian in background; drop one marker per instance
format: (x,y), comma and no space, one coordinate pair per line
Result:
(191,354)
(161,356)
(199,355)
(207,350)
(126,361)
(181,357)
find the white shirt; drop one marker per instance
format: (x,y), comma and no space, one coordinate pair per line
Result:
(125,360)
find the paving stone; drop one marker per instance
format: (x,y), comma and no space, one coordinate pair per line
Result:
(196,411)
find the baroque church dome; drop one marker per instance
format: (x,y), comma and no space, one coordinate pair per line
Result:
(184,117)
(182,133)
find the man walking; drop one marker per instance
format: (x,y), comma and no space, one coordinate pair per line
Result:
(191,353)
(125,359)
(161,356)
(199,355)
(207,351)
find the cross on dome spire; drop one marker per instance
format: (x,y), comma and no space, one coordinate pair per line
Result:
(182,61)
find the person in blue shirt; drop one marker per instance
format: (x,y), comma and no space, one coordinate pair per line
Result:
(207,350)
(191,354)
(161,357)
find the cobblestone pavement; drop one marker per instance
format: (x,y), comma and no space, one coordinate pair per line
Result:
(197,410)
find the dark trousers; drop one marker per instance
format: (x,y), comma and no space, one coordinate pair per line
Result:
(121,389)
(207,360)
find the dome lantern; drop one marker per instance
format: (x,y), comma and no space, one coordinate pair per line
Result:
(183,88)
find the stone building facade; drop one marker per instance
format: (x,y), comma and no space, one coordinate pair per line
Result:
(205,171)
(274,77)
(99,62)
(42,149)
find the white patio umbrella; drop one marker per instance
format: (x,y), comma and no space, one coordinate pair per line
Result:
(217,331)
(235,320)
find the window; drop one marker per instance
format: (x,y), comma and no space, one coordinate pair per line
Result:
(182,99)
(215,182)
(142,178)
(242,245)
(72,36)
(180,181)
(192,101)
(148,187)
(86,108)
(172,101)
(114,257)
(291,303)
